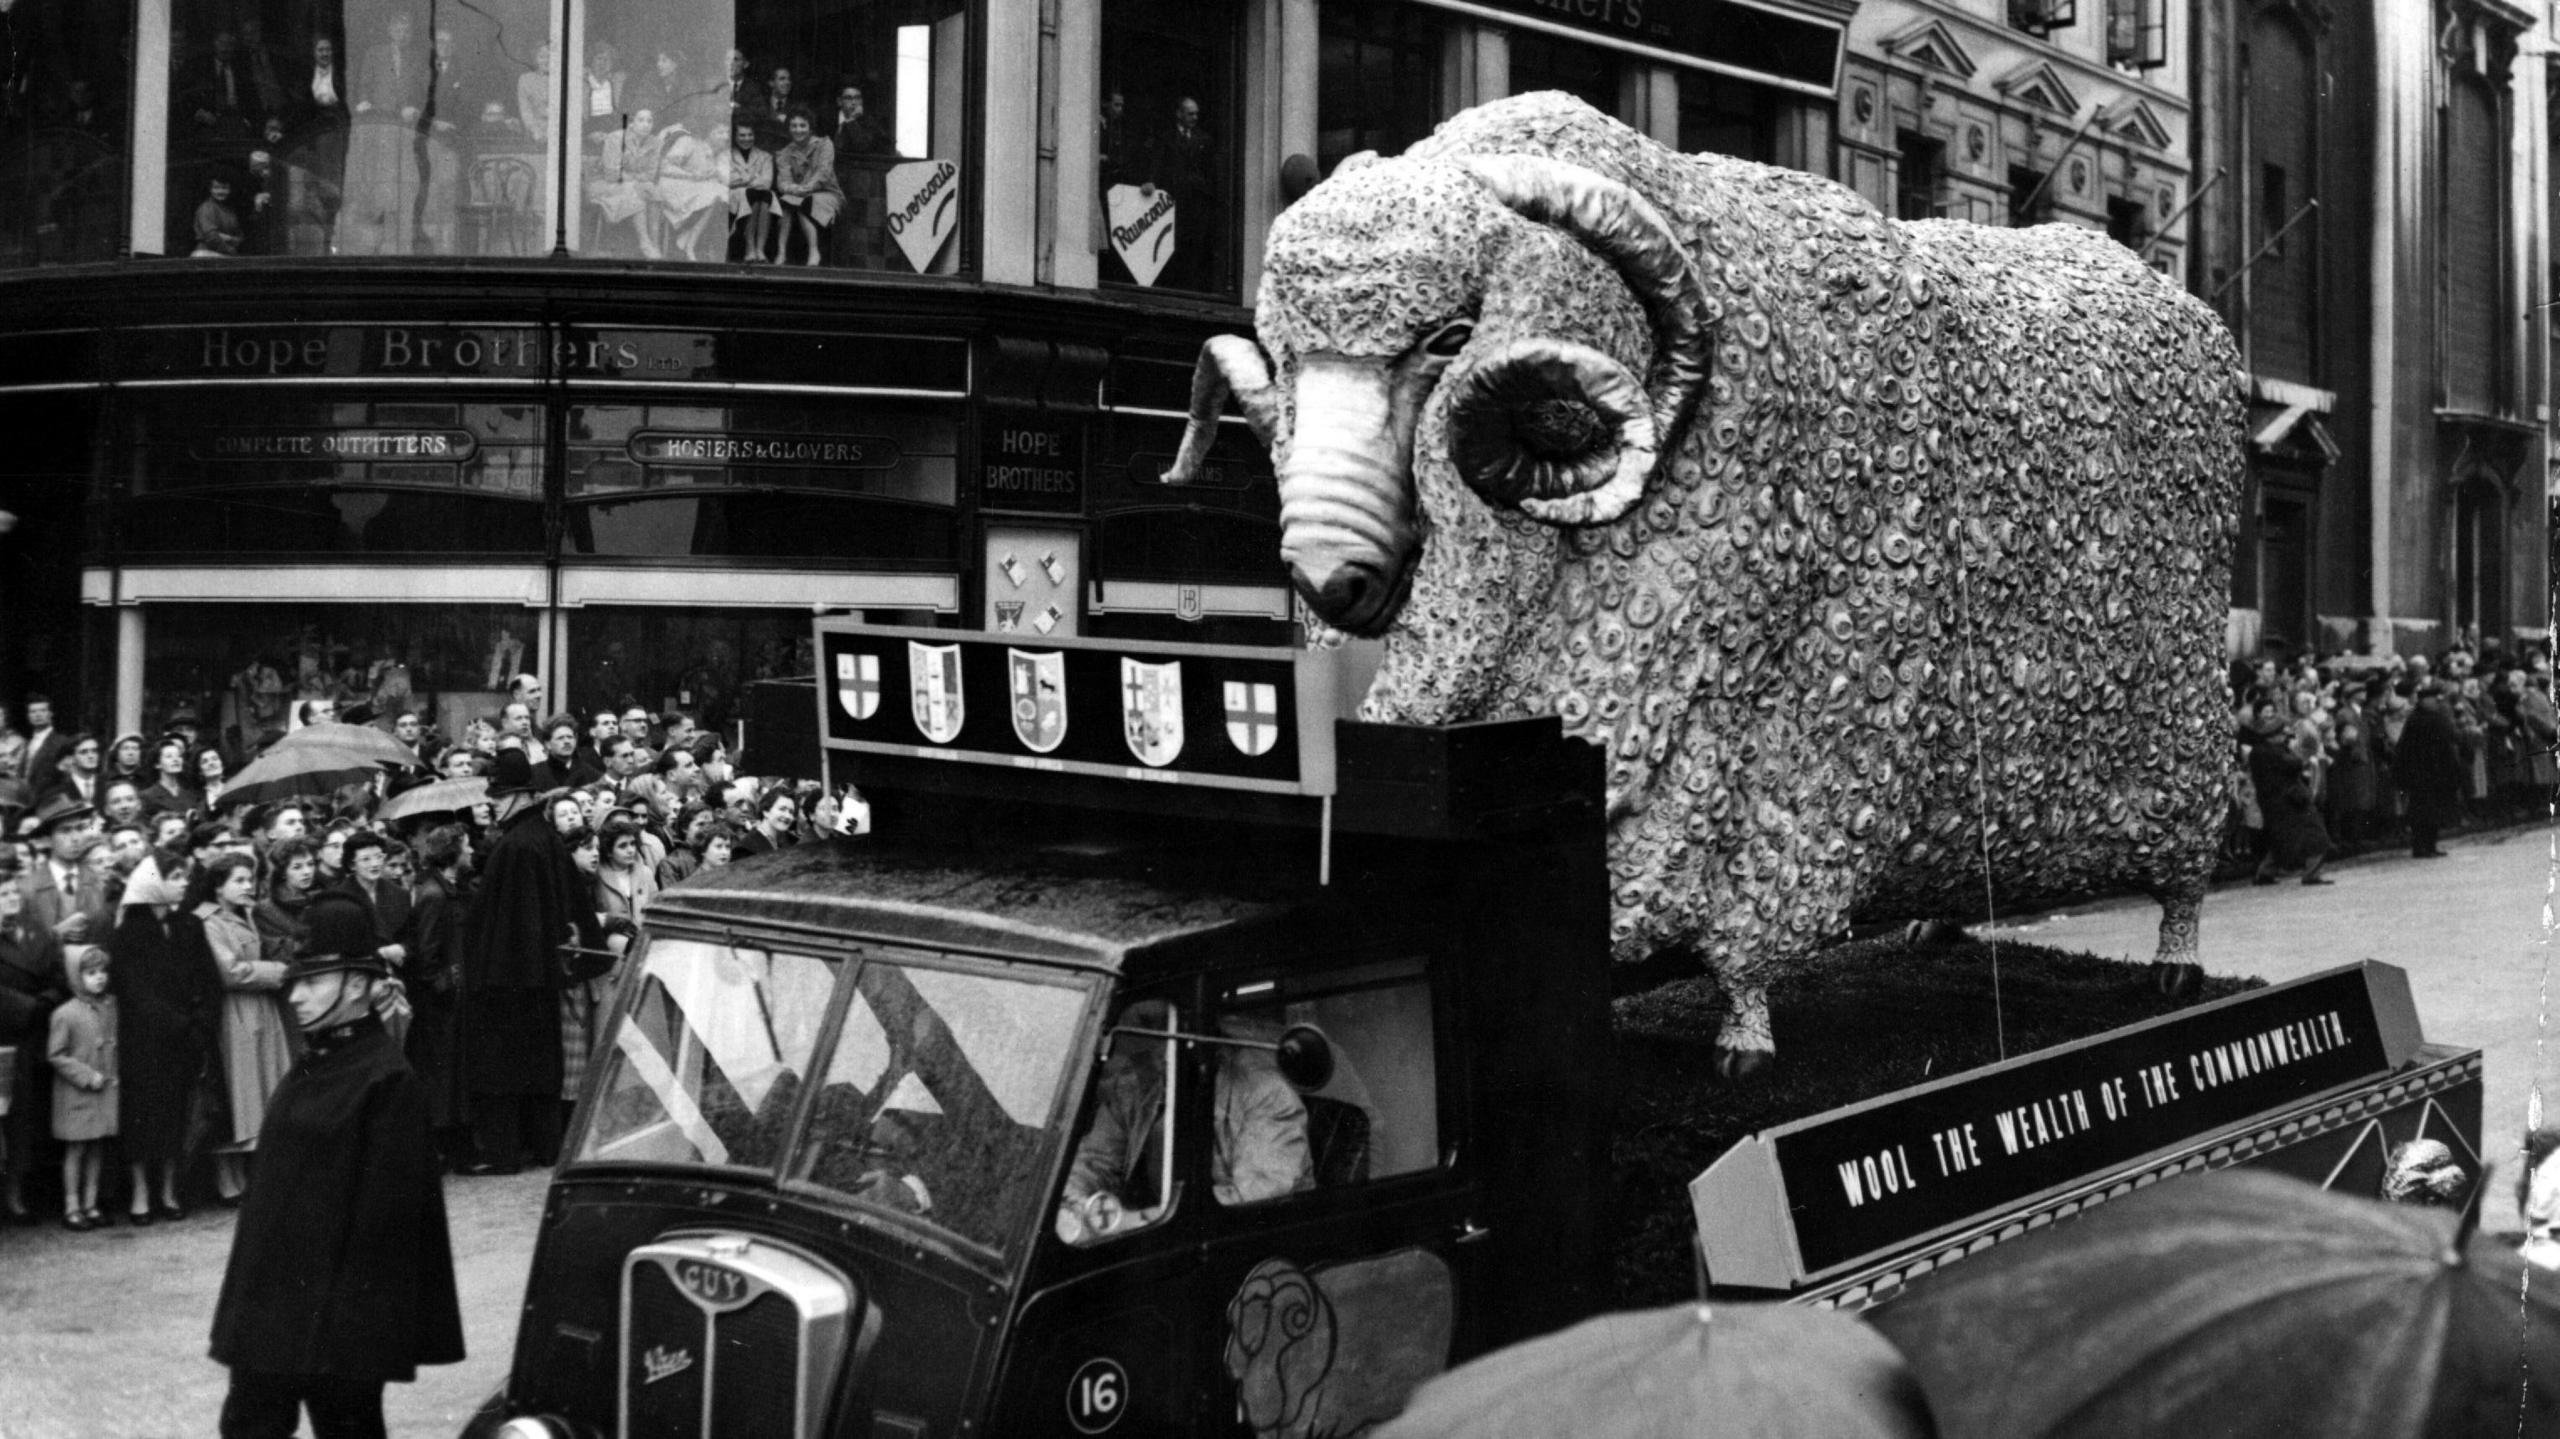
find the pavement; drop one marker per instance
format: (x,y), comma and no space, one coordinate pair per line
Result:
(2473,930)
(102,1335)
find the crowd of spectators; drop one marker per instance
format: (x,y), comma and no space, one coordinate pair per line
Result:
(416,143)
(145,923)
(2370,752)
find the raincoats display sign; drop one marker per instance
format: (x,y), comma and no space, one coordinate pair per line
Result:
(1876,1177)
(1221,715)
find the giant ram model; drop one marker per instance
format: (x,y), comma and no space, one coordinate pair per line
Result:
(1888,561)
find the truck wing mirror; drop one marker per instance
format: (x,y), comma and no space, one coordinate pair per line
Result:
(1305,1057)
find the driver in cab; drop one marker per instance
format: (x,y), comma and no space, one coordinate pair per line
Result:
(1259,1144)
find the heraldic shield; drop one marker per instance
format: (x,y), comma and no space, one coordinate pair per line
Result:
(1253,716)
(1038,683)
(1151,710)
(858,684)
(933,689)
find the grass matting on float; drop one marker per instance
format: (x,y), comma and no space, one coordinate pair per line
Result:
(1861,1019)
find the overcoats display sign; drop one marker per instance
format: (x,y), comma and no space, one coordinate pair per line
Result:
(1863,1181)
(1227,716)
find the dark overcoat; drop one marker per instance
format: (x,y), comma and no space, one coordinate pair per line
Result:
(342,1264)
(2294,831)
(435,992)
(510,961)
(32,985)
(2429,765)
(169,1000)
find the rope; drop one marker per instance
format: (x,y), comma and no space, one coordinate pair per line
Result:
(1981,787)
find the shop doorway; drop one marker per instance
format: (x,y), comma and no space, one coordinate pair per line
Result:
(2284,574)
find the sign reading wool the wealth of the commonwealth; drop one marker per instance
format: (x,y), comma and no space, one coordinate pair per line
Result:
(1818,1195)
(1223,716)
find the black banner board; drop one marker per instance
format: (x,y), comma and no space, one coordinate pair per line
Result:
(912,364)
(1225,716)
(1025,463)
(1856,1183)
(1739,37)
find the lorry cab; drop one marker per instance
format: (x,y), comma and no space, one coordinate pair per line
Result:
(1073,1104)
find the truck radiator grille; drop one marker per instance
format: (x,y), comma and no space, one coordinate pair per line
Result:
(724,1335)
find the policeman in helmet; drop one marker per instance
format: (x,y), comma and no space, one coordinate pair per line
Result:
(341,1275)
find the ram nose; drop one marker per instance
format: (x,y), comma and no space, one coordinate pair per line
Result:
(1353,596)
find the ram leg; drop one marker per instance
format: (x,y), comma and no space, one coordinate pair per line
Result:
(2174,969)
(1745,1048)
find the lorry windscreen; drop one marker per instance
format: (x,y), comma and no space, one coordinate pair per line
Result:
(937,1094)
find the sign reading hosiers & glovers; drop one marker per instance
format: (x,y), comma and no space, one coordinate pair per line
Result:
(1820,1195)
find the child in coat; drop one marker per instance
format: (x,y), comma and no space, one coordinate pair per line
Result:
(82,1046)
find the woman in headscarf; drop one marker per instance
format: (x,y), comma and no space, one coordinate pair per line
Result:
(257,1044)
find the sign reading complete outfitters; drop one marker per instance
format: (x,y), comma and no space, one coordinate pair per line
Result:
(1223,716)
(1818,1195)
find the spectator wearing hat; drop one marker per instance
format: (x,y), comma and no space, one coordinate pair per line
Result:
(2430,769)
(32,986)
(77,774)
(440,916)
(169,1011)
(511,977)
(61,898)
(341,1271)
(384,898)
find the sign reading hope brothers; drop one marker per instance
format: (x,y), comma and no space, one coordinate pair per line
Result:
(1860,1182)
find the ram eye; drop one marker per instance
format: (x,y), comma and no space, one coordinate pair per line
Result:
(1449,339)
(1559,429)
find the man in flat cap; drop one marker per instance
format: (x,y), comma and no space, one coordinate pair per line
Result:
(341,1275)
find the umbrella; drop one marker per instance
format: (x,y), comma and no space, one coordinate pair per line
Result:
(437,798)
(1769,1371)
(2240,1304)
(350,739)
(315,759)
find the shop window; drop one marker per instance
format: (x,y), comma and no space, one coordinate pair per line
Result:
(1728,117)
(762,481)
(1371,1112)
(738,131)
(826,134)
(1377,79)
(313,478)
(698,660)
(1546,62)
(240,668)
(64,83)
(1168,144)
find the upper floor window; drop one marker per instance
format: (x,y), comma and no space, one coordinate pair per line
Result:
(1546,62)
(1917,178)
(2476,328)
(2030,196)
(1167,148)
(733,131)
(1377,78)
(2043,17)
(2138,34)
(63,112)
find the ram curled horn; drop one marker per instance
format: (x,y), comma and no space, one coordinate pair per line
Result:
(1553,428)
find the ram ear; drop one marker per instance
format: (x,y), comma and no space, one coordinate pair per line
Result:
(1556,430)
(1228,364)
(1625,229)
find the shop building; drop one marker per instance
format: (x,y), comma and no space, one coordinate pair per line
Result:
(391,347)
(2378,240)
